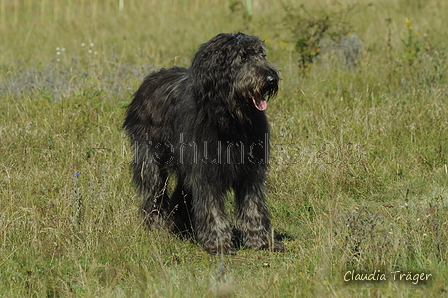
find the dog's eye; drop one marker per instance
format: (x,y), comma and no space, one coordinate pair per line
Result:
(243,58)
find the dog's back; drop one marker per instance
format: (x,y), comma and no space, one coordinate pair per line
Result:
(150,114)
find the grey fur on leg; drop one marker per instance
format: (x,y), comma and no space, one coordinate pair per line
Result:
(253,219)
(210,222)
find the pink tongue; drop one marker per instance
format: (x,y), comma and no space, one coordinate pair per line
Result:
(260,104)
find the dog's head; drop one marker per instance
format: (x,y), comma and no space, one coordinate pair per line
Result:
(233,67)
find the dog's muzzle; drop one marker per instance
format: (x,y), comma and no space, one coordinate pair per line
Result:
(269,90)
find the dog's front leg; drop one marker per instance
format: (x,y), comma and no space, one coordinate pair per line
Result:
(253,217)
(210,222)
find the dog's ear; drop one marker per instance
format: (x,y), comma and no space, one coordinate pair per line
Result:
(213,66)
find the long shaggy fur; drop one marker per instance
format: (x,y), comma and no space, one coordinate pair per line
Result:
(206,126)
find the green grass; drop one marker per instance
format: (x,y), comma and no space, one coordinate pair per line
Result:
(358,177)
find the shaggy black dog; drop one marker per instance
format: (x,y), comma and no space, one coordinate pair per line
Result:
(205,125)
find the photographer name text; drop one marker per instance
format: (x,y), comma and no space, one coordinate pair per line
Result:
(378,275)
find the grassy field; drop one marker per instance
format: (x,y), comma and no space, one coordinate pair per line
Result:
(358,175)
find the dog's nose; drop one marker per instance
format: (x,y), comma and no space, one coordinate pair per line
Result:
(271,80)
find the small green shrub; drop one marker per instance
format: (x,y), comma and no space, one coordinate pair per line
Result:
(310,28)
